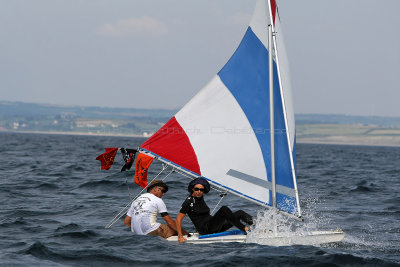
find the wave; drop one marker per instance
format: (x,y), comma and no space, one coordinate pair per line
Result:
(18,222)
(47,186)
(318,258)
(32,213)
(102,184)
(79,168)
(82,257)
(69,227)
(78,234)
(74,230)
(363,188)
(394,200)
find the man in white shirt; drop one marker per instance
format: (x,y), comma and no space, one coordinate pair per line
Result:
(142,215)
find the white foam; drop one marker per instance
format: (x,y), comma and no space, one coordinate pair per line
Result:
(270,222)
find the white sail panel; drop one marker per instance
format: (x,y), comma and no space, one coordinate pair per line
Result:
(260,20)
(284,73)
(214,115)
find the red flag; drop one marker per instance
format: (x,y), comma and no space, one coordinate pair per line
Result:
(142,165)
(107,159)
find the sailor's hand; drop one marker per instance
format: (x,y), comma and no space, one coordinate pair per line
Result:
(181,239)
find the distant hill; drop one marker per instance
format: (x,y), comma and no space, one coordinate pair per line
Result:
(390,122)
(19,109)
(312,128)
(9,110)
(19,116)
(345,129)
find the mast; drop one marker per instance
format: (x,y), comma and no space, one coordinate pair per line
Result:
(271,108)
(273,38)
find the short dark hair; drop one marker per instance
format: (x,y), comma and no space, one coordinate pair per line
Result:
(157,183)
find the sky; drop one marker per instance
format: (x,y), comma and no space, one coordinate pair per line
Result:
(344,55)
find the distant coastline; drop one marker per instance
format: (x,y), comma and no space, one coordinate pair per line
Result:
(74,133)
(18,117)
(353,141)
(393,141)
(348,134)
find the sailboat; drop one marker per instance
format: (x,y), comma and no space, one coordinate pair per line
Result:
(238,132)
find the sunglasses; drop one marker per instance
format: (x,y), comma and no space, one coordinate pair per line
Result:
(198,189)
(162,189)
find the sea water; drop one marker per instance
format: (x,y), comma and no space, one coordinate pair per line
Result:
(55,202)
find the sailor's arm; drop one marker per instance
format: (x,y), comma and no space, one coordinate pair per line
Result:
(179,219)
(170,222)
(128,221)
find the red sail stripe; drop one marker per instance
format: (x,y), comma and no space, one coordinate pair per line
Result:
(172,143)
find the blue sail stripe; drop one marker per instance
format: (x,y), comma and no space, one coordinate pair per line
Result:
(286,203)
(246,76)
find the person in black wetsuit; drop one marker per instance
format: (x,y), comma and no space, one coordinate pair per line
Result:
(199,212)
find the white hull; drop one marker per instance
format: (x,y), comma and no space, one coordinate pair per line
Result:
(279,239)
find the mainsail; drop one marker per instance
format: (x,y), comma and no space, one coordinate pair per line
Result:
(223,133)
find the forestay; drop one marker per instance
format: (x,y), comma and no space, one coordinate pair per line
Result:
(223,133)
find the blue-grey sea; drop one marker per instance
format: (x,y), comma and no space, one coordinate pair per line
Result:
(55,202)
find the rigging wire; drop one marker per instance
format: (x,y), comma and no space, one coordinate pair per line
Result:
(222,195)
(122,212)
(168,173)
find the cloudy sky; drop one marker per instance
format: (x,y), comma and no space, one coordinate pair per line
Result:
(344,54)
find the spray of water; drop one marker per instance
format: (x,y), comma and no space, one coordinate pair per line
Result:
(272,223)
